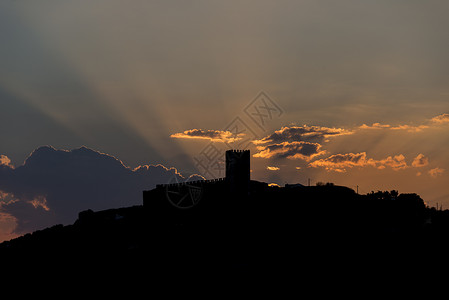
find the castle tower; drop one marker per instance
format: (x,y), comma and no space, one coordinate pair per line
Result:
(238,171)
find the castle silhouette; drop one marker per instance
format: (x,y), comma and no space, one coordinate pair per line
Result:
(183,195)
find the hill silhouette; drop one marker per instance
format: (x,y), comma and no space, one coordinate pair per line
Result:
(239,228)
(320,230)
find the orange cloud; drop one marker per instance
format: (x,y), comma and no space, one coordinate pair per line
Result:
(212,135)
(273,168)
(420,161)
(436,172)
(409,128)
(396,162)
(440,119)
(40,201)
(342,162)
(4,160)
(375,126)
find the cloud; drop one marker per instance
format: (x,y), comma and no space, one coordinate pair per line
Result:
(291,150)
(342,162)
(375,126)
(273,168)
(52,186)
(4,160)
(296,142)
(440,119)
(302,133)
(396,162)
(408,128)
(436,172)
(420,161)
(7,225)
(212,135)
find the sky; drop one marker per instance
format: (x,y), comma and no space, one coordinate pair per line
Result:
(350,92)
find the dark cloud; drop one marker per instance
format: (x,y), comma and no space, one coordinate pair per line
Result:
(302,133)
(292,150)
(52,186)
(296,142)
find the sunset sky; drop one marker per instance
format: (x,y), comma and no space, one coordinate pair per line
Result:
(350,92)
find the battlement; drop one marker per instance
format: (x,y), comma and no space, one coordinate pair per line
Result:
(192,183)
(238,151)
(235,185)
(237,173)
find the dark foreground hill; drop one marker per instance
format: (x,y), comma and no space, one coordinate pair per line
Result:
(318,233)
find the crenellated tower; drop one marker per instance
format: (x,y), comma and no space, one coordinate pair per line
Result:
(238,171)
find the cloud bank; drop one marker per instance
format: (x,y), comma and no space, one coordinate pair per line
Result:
(52,186)
(306,143)
(342,162)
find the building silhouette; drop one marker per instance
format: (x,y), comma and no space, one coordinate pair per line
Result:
(238,170)
(214,192)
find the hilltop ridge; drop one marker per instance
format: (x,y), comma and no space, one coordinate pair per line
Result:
(309,226)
